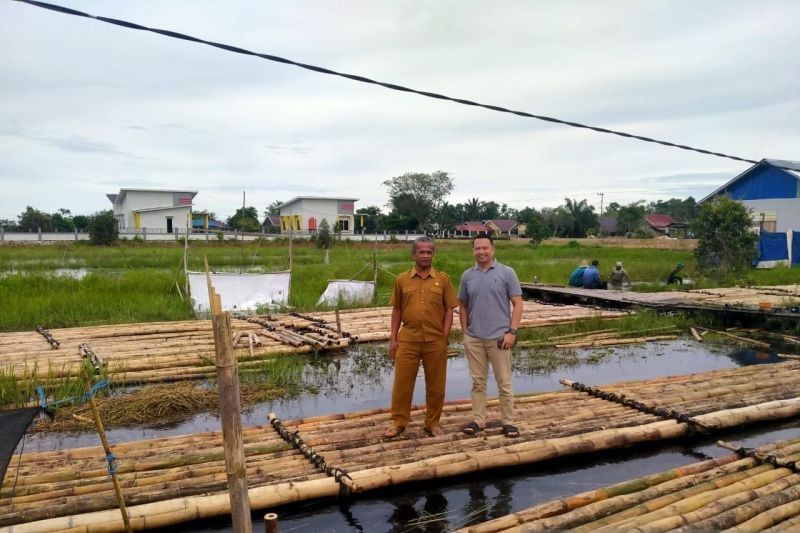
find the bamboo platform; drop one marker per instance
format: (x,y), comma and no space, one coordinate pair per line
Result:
(178,479)
(776,301)
(169,351)
(751,490)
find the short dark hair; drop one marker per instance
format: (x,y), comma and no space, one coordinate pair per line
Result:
(420,239)
(595,262)
(479,236)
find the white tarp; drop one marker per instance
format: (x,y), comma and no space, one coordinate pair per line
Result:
(347,292)
(240,291)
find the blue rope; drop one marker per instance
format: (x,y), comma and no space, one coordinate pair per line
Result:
(112,464)
(77,399)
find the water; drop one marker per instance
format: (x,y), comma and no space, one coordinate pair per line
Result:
(363,381)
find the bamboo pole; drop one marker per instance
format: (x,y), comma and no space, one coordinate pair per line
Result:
(230,409)
(107,449)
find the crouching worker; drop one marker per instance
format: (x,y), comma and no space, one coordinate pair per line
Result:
(576,278)
(422,314)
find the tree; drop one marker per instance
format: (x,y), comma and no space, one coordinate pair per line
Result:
(372,219)
(9,224)
(535,226)
(32,220)
(81,222)
(489,211)
(725,240)
(583,217)
(447,216)
(272,209)
(62,220)
(416,195)
(245,219)
(680,210)
(472,209)
(103,228)
(324,235)
(630,217)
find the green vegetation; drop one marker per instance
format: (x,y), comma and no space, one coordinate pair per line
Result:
(725,242)
(136,282)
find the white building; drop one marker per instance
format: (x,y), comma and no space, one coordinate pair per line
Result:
(155,210)
(305,213)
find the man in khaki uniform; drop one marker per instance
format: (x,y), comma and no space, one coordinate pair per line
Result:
(422,303)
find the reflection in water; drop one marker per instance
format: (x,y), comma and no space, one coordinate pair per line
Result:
(431,517)
(748,356)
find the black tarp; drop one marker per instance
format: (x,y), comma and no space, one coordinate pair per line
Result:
(13,425)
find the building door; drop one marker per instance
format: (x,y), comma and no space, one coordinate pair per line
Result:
(312,224)
(169,224)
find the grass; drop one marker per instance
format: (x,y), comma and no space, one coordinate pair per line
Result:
(136,282)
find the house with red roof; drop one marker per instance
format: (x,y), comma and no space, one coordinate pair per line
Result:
(470,229)
(664,225)
(502,226)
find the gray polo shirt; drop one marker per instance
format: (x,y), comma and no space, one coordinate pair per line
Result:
(488,298)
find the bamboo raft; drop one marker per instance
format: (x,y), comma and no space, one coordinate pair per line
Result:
(177,479)
(776,300)
(169,351)
(750,490)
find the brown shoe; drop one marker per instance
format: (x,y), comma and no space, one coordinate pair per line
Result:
(393,432)
(435,431)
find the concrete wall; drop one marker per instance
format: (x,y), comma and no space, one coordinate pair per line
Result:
(157,220)
(787,209)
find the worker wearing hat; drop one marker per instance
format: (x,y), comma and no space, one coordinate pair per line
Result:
(674,276)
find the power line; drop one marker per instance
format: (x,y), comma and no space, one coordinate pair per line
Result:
(363,79)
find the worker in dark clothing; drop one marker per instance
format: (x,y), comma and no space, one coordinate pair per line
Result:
(674,276)
(591,277)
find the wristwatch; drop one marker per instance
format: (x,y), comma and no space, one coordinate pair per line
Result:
(512,331)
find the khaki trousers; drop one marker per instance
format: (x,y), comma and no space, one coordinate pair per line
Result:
(480,354)
(433,356)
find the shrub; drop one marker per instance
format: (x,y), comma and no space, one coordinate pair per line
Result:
(103,228)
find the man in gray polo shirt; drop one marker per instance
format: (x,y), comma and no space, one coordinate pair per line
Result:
(487,294)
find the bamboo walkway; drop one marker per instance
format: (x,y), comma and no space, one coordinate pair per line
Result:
(179,479)
(750,490)
(169,351)
(780,300)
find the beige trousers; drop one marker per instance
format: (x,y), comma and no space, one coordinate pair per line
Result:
(480,354)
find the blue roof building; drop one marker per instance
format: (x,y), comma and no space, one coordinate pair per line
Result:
(771,189)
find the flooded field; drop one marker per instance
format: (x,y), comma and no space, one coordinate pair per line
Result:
(362,380)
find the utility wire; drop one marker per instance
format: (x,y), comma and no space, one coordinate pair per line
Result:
(362,79)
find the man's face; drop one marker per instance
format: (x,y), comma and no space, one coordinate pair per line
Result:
(483,250)
(423,255)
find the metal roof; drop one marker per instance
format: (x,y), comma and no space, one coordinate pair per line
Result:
(296,198)
(790,167)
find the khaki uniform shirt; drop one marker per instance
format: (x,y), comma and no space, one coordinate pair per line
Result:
(423,303)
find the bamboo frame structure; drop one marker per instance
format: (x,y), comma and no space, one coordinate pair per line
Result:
(170,351)
(732,492)
(183,478)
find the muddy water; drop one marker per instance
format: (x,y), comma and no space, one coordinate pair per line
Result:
(363,381)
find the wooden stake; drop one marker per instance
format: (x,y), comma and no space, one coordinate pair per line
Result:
(102,433)
(271,523)
(338,323)
(229,410)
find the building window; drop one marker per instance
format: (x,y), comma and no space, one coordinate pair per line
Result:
(169,224)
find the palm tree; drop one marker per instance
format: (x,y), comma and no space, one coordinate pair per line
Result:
(583,216)
(472,209)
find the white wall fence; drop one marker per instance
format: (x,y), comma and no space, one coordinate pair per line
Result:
(194,235)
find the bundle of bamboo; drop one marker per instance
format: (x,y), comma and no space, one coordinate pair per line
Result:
(733,492)
(177,479)
(166,351)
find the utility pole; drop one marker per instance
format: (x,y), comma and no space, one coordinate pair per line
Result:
(601,194)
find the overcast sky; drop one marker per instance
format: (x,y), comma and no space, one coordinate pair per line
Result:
(87,108)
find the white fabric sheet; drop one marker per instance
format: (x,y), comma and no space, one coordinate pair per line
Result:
(347,292)
(240,291)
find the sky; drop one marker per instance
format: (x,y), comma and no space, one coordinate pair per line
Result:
(87,108)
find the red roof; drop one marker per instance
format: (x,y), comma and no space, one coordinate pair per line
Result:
(504,224)
(661,222)
(472,226)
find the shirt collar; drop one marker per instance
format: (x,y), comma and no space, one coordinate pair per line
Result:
(413,272)
(494,264)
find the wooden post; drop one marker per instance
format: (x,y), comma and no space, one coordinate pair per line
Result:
(229,411)
(338,323)
(102,432)
(270,523)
